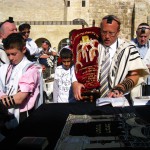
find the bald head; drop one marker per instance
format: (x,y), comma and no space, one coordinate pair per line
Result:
(7,28)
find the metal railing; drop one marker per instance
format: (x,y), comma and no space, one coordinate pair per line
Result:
(52,22)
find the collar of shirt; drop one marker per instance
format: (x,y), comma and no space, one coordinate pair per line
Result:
(141,46)
(145,45)
(112,49)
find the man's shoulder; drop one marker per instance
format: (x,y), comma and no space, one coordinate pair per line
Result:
(134,41)
(52,49)
(29,40)
(125,43)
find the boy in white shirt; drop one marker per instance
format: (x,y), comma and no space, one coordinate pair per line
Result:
(62,89)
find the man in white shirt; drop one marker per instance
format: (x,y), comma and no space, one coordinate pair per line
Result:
(31,46)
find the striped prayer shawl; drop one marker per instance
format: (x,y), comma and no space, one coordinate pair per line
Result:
(126,58)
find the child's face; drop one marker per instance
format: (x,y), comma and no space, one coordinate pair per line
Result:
(66,63)
(15,56)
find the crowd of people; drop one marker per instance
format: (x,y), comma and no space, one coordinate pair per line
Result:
(23,65)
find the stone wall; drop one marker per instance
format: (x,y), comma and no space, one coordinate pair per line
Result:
(120,8)
(130,12)
(142,12)
(32,10)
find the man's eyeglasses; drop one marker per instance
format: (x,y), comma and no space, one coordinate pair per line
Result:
(23,33)
(112,34)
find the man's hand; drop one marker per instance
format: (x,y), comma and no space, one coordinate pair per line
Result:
(115,93)
(77,90)
(128,83)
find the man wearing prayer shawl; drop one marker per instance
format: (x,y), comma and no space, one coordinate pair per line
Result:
(127,70)
(142,43)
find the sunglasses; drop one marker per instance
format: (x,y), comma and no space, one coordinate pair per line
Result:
(24,33)
(45,42)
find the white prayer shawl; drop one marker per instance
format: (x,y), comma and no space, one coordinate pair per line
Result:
(13,84)
(126,58)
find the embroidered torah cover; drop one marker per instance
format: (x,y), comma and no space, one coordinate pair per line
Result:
(85,49)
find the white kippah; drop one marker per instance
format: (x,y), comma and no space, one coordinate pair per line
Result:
(144,26)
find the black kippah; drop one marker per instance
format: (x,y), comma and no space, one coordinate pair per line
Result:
(110,19)
(143,29)
(10,19)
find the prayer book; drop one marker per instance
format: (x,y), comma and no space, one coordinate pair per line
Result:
(141,100)
(32,143)
(115,102)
